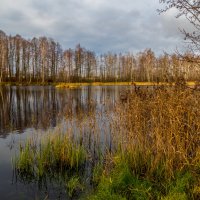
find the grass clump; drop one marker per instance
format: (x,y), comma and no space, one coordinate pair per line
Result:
(53,153)
(24,164)
(178,189)
(130,186)
(105,191)
(74,185)
(120,183)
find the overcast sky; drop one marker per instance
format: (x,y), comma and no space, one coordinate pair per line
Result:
(99,25)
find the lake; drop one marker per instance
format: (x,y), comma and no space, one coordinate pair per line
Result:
(27,111)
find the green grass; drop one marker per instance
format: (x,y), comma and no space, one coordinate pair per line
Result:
(120,182)
(55,152)
(113,178)
(74,185)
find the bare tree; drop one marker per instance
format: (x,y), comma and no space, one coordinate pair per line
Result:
(43,52)
(190,9)
(2,54)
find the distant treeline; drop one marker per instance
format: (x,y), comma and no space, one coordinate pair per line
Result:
(43,60)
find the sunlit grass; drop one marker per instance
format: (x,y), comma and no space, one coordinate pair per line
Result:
(78,85)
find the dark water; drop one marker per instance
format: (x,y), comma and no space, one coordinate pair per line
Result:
(30,110)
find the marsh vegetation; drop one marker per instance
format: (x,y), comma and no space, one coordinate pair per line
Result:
(149,149)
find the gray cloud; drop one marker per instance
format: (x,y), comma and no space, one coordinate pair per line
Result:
(99,25)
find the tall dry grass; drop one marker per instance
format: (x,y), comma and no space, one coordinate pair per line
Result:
(159,131)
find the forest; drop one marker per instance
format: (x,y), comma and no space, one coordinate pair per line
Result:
(43,60)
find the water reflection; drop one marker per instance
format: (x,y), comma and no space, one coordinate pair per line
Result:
(43,107)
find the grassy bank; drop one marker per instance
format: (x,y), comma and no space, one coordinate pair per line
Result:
(76,85)
(155,150)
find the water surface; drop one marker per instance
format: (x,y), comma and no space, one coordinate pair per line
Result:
(28,110)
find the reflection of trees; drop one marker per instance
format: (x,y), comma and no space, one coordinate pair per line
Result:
(90,101)
(25,107)
(42,107)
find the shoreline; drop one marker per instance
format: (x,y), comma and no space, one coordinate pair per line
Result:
(78,84)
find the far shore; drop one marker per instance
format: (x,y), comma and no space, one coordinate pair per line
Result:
(75,85)
(79,84)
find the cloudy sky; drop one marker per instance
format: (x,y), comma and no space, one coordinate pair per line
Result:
(99,25)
